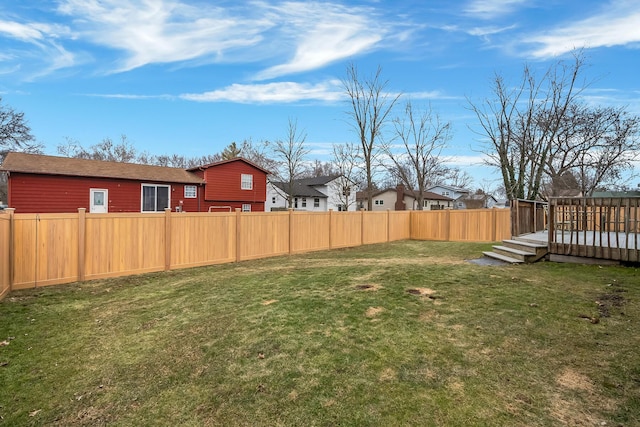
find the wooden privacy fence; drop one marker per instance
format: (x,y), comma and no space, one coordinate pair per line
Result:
(48,249)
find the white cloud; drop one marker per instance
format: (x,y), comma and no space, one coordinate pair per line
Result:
(488,31)
(324,33)
(490,9)
(617,25)
(48,50)
(282,92)
(159,31)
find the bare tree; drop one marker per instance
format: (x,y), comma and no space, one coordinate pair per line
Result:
(259,153)
(320,168)
(290,154)
(15,133)
(456,177)
(522,122)
(106,150)
(593,147)
(417,157)
(346,160)
(371,105)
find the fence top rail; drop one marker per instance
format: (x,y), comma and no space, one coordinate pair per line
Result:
(596,201)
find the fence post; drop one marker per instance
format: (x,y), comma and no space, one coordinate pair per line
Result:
(167,239)
(290,230)
(330,238)
(494,217)
(238,234)
(362,227)
(388,225)
(447,221)
(411,225)
(12,248)
(82,215)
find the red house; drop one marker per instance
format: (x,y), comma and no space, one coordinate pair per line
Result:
(42,184)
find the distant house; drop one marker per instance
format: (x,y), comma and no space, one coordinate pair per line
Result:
(399,199)
(42,184)
(477,201)
(453,193)
(317,194)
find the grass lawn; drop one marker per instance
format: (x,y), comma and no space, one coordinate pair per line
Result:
(407,333)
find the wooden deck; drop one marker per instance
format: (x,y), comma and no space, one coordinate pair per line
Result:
(600,228)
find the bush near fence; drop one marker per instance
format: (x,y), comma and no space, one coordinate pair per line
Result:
(49,249)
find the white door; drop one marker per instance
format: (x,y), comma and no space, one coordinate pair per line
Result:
(98,201)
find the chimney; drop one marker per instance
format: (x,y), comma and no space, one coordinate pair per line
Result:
(400,206)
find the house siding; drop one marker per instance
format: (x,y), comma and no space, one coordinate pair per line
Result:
(30,193)
(223,185)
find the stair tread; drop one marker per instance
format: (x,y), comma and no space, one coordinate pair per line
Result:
(513,251)
(526,243)
(503,258)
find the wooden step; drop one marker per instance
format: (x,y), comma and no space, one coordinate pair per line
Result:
(524,256)
(503,258)
(537,250)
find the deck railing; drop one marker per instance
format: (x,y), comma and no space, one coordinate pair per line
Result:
(605,228)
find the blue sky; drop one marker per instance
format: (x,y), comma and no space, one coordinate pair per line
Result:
(191,76)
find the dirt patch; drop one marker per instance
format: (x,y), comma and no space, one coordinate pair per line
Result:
(368,287)
(421,291)
(607,301)
(373,311)
(269,302)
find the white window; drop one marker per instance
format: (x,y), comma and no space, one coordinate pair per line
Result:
(155,198)
(445,193)
(304,202)
(190,192)
(379,202)
(246,207)
(246,182)
(316,202)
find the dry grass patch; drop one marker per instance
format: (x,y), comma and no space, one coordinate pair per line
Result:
(373,311)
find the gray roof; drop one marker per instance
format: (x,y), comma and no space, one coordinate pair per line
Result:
(304,187)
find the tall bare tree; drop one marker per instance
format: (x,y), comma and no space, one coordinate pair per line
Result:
(290,153)
(415,150)
(370,106)
(522,121)
(346,161)
(593,147)
(15,135)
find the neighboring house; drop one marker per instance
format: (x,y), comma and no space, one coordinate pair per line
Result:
(477,201)
(399,199)
(453,193)
(434,202)
(43,184)
(317,194)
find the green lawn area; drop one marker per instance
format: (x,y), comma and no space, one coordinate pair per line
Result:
(407,333)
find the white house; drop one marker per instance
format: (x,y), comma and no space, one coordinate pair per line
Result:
(318,194)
